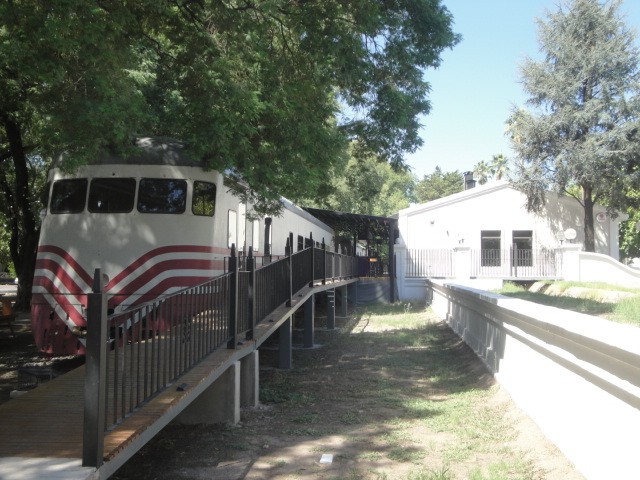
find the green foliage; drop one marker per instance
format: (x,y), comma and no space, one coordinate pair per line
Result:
(367,186)
(582,129)
(254,87)
(438,184)
(496,169)
(629,233)
(273,91)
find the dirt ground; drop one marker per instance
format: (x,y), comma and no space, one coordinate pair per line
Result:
(349,403)
(364,404)
(21,365)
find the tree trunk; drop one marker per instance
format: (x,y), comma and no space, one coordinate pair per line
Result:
(24,229)
(589,234)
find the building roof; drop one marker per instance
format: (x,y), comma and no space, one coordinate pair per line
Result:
(364,226)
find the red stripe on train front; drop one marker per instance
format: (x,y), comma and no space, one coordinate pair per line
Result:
(166,285)
(159,268)
(60,274)
(161,251)
(62,299)
(82,273)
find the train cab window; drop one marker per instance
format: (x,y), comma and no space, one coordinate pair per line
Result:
(204,199)
(162,195)
(111,195)
(69,196)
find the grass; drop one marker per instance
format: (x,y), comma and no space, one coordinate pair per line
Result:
(405,391)
(625,310)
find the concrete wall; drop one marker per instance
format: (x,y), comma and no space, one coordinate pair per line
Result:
(576,376)
(594,267)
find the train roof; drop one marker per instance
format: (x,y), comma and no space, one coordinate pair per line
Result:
(151,151)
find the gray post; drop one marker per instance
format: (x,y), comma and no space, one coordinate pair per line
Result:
(392,262)
(251,268)
(343,301)
(313,260)
(309,322)
(290,272)
(233,299)
(324,262)
(95,374)
(285,359)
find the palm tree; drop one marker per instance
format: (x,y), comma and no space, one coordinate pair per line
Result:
(481,172)
(499,166)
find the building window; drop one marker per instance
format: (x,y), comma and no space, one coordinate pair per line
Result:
(69,196)
(490,248)
(162,195)
(523,248)
(111,195)
(204,199)
(300,243)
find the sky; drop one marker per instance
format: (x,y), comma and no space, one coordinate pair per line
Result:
(478,82)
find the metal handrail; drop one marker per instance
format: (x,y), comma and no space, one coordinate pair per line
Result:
(154,343)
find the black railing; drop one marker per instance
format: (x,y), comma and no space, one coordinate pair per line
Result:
(154,343)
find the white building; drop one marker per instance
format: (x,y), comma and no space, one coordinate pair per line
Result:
(486,232)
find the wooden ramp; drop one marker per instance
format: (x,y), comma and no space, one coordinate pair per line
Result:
(41,431)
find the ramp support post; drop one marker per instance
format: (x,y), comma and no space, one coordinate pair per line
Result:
(309,322)
(285,359)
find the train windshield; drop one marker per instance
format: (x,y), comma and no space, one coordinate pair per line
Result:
(69,196)
(111,195)
(162,195)
(204,198)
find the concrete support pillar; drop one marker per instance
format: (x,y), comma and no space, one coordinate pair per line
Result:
(250,380)
(570,264)
(352,292)
(331,309)
(401,269)
(462,262)
(309,322)
(342,301)
(285,358)
(219,403)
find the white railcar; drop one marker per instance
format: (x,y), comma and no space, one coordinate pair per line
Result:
(154,223)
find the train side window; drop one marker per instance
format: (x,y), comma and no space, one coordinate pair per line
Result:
(232,229)
(69,196)
(256,235)
(204,199)
(111,195)
(162,195)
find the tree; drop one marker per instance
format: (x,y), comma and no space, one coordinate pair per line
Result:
(438,184)
(582,131)
(482,172)
(496,169)
(629,233)
(271,90)
(367,186)
(499,166)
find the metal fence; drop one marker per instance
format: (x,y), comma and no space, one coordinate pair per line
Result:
(496,263)
(515,263)
(430,263)
(152,344)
